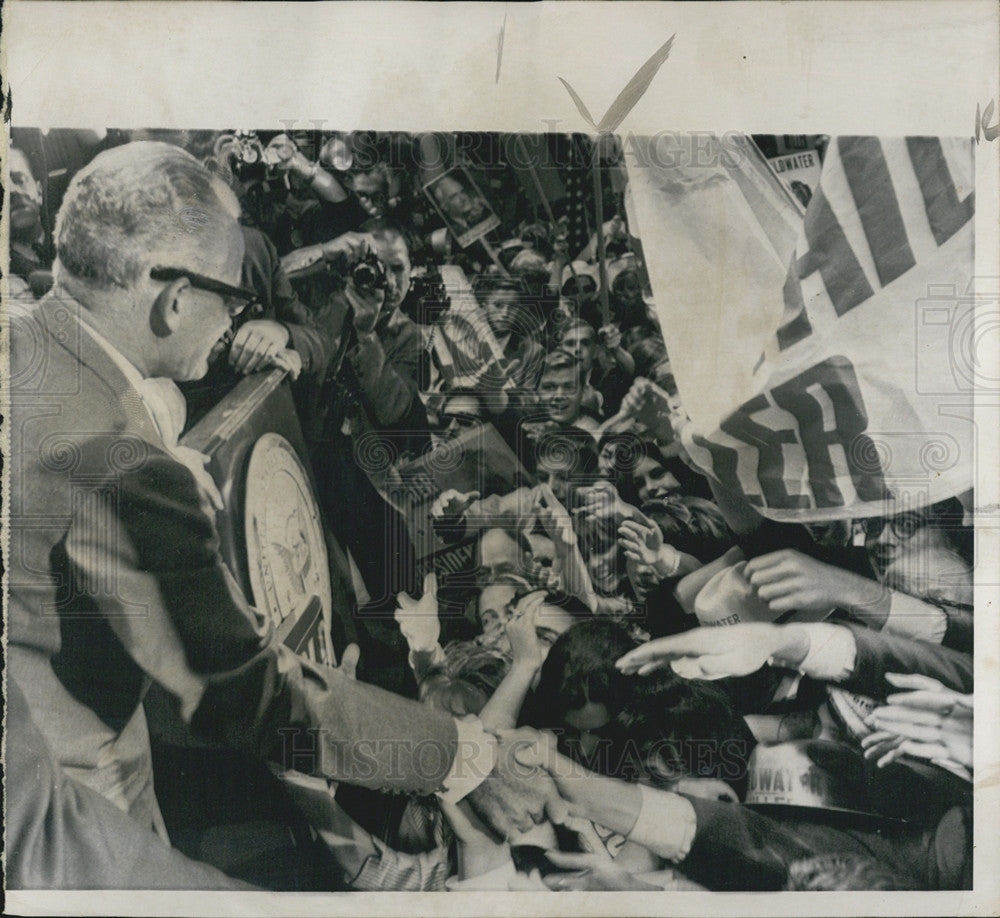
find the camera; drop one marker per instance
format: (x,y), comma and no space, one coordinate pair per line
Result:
(368,274)
(428,295)
(243,153)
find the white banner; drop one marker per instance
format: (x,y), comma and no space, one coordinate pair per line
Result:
(831,379)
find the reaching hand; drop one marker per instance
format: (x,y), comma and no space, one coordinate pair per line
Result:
(256,345)
(707,653)
(595,872)
(600,502)
(418,619)
(610,336)
(349,247)
(929,721)
(641,541)
(789,581)
(284,152)
(452,504)
(515,796)
(520,627)
(553,516)
(349,661)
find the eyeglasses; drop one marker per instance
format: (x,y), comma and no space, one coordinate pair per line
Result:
(378,198)
(903,526)
(244,296)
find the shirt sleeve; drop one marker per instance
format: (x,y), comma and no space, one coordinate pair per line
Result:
(913,618)
(832,652)
(475,757)
(666,825)
(398,871)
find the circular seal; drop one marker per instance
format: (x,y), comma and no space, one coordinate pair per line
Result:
(286,549)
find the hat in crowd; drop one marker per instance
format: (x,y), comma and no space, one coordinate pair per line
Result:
(816,774)
(617,267)
(728,598)
(529,263)
(509,250)
(579,270)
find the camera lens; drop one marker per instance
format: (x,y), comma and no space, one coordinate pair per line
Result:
(364,276)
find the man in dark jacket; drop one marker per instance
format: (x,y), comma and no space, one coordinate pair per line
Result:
(115,575)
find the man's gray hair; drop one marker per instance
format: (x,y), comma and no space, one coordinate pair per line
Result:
(133,202)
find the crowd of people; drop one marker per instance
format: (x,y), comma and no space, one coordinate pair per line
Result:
(700,697)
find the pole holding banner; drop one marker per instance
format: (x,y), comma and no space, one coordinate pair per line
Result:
(602,258)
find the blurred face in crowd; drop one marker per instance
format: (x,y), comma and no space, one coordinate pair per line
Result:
(603,567)
(578,288)
(25,199)
(371,192)
(496,606)
(499,554)
(394,255)
(626,288)
(460,413)
(501,310)
(914,557)
(581,342)
(614,455)
(652,480)
(494,611)
(556,475)
(561,394)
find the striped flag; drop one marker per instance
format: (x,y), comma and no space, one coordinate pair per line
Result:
(830,379)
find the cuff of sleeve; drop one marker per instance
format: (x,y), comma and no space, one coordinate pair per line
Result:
(475,758)
(666,824)
(914,618)
(832,652)
(295,344)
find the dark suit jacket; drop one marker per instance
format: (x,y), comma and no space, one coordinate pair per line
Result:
(63,835)
(116,581)
(739,848)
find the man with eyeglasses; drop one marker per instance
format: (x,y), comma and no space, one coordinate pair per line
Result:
(115,575)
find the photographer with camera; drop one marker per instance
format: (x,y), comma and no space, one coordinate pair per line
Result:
(366,415)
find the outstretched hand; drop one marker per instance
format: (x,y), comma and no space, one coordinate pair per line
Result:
(641,541)
(452,504)
(707,653)
(418,619)
(927,721)
(790,581)
(594,872)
